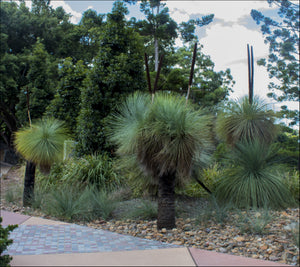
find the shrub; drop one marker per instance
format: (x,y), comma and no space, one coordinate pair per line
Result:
(5,242)
(91,170)
(209,176)
(254,178)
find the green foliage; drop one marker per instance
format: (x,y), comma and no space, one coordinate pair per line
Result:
(213,211)
(13,194)
(67,203)
(283,60)
(42,143)
(291,180)
(146,210)
(244,121)
(41,81)
(253,178)
(117,70)
(209,176)
(209,87)
(165,136)
(90,170)
(253,222)
(5,242)
(102,204)
(288,141)
(66,103)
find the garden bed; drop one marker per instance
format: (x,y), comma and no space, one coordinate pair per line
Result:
(261,234)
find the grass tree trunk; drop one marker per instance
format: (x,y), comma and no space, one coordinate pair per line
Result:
(166,202)
(29,183)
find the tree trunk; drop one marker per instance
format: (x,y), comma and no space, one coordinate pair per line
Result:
(156,53)
(166,202)
(29,183)
(156,43)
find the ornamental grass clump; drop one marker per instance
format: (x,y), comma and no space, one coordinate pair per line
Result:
(254,178)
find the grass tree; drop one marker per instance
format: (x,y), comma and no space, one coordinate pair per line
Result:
(165,137)
(41,145)
(247,121)
(254,178)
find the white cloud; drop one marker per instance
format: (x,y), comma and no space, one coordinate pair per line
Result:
(227,47)
(76,16)
(230,11)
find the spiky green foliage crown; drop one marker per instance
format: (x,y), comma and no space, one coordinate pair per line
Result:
(254,178)
(165,136)
(43,142)
(244,121)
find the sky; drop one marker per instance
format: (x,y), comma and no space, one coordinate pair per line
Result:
(224,40)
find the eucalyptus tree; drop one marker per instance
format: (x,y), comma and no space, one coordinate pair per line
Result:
(165,138)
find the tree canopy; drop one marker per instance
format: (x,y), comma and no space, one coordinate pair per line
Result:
(283,60)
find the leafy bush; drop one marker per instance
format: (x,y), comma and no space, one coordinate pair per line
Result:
(92,170)
(254,178)
(5,242)
(209,176)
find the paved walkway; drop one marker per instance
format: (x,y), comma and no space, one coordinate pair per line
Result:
(41,242)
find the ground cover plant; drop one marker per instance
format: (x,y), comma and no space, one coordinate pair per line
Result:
(5,242)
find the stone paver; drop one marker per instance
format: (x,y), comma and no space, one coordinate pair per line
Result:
(50,239)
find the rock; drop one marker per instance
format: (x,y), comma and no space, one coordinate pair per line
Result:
(207,230)
(223,250)
(163,230)
(187,227)
(273,258)
(239,238)
(177,243)
(263,247)
(190,233)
